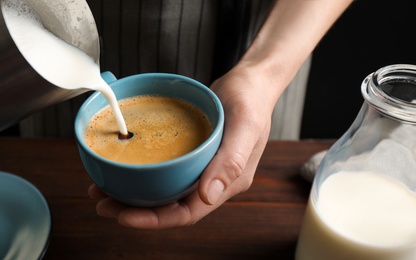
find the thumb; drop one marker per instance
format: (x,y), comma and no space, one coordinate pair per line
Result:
(225,168)
(229,164)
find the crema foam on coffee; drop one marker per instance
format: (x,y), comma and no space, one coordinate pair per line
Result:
(164,128)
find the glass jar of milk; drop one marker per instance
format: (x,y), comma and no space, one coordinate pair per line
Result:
(363,200)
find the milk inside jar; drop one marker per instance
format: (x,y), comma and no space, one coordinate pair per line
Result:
(360,215)
(363,200)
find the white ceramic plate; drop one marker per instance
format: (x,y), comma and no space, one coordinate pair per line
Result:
(25,219)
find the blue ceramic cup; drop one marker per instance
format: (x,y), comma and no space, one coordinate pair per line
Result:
(151,185)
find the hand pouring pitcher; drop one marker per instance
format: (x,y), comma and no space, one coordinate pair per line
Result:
(23,94)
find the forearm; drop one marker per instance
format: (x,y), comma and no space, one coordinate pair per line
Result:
(288,36)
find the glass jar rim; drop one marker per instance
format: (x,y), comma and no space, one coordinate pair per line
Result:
(386,103)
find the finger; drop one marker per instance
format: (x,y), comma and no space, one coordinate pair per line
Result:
(229,164)
(95,193)
(172,215)
(183,213)
(110,208)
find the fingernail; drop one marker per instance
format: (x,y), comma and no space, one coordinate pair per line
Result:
(215,190)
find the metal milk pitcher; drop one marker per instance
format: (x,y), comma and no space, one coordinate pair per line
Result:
(23,91)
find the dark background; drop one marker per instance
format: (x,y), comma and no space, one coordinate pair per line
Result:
(371,34)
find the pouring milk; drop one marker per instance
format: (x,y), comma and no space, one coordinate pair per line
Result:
(57,61)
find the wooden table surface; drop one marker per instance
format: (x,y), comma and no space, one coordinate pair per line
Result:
(262,223)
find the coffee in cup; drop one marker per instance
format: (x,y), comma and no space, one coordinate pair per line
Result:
(152,184)
(163,128)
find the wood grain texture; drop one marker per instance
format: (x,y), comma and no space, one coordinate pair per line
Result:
(262,223)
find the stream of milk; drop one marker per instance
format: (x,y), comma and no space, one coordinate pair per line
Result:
(57,61)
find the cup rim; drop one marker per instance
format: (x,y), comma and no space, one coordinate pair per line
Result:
(218,130)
